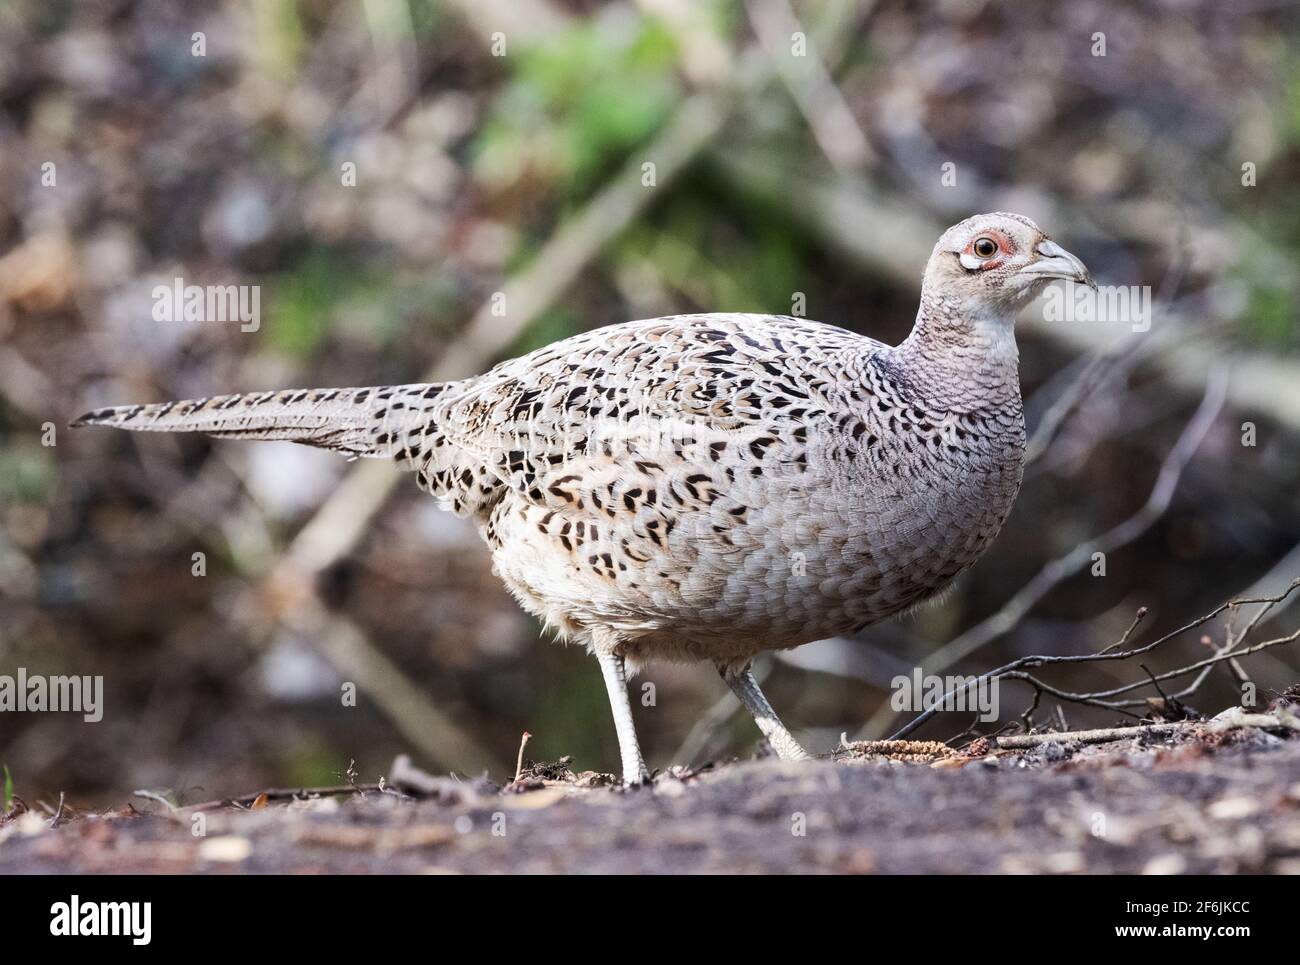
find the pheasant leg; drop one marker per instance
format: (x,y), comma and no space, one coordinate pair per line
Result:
(634,769)
(744,686)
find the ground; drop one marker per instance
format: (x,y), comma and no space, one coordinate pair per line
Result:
(1192,798)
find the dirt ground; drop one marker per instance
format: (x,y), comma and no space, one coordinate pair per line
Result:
(1195,800)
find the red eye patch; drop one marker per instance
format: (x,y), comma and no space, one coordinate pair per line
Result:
(1004,244)
(977,257)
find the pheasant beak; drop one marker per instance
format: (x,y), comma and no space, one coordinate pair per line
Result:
(1053,261)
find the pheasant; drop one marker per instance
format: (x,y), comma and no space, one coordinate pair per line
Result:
(709,487)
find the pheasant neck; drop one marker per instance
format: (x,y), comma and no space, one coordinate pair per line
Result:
(964,360)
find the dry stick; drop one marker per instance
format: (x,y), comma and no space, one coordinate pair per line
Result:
(1013,670)
(1267,605)
(1063,567)
(1097,698)
(284,794)
(1090,736)
(1123,641)
(1223,654)
(1224,722)
(1281,570)
(1061,724)
(519,761)
(58,815)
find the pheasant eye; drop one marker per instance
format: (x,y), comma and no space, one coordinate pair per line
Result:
(985,247)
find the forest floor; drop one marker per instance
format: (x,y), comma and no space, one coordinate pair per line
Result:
(1175,798)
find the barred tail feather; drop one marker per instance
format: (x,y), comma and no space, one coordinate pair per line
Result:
(358,421)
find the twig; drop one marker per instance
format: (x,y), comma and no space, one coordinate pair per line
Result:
(1027,718)
(519,761)
(1015,669)
(1102,735)
(1123,641)
(1234,718)
(402,773)
(1097,698)
(1061,723)
(58,815)
(246,801)
(1170,703)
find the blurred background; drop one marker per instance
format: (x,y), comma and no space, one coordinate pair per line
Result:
(500,146)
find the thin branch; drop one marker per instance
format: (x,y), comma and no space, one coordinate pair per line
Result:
(1123,641)
(519,761)
(809,82)
(1232,719)
(58,815)
(1097,698)
(246,801)
(1099,736)
(1015,669)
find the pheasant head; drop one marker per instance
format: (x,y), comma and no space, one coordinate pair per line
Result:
(995,264)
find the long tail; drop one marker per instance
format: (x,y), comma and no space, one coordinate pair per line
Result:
(360,422)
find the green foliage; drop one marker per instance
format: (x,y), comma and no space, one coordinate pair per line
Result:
(27,473)
(311,763)
(9,791)
(1271,314)
(306,302)
(579,102)
(278,37)
(1267,265)
(1268,271)
(550,326)
(1290,120)
(565,708)
(746,261)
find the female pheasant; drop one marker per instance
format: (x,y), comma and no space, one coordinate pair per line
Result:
(708,487)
